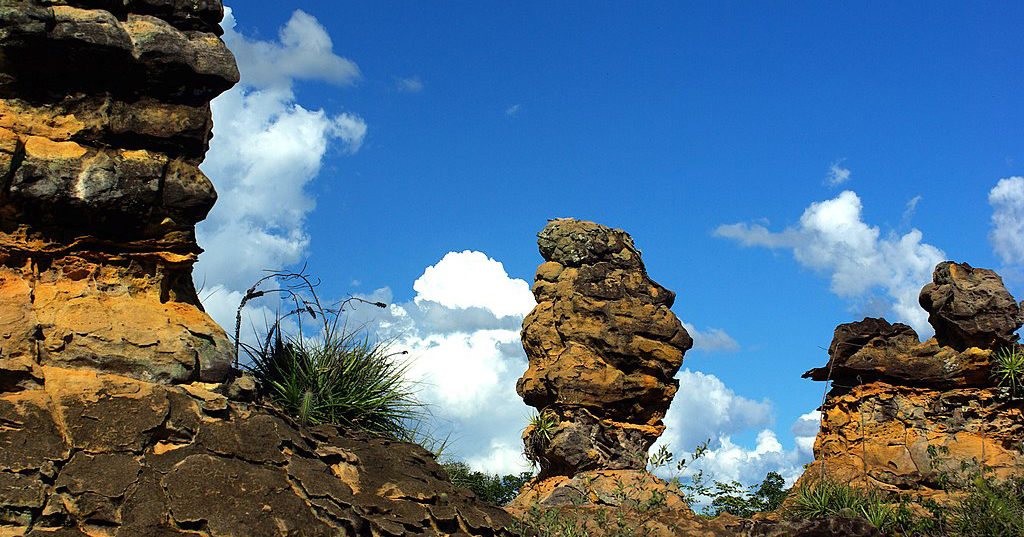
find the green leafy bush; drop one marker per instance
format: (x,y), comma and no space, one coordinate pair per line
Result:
(491,488)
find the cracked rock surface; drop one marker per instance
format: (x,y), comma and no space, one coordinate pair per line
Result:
(96,454)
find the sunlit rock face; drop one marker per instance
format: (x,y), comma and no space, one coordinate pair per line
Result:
(104,120)
(603,348)
(894,396)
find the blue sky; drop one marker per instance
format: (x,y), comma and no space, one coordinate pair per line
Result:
(784,167)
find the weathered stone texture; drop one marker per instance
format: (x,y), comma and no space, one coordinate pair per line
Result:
(104,120)
(894,396)
(603,347)
(93,453)
(969,307)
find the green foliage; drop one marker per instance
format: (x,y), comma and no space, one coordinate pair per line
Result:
(743,502)
(490,488)
(543,424)
(989,509)
(1008,368)
(333,375)
(340,377)
(829,498)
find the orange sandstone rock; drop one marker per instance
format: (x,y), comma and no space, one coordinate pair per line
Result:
(603,347)
(104,120)
(893,397)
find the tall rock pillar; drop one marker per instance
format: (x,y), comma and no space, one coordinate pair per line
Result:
(104,120)
(603,347)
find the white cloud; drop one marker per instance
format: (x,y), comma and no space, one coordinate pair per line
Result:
(465,353)
(832,239)
(266,150)
(410,85)
(1007,235)
(471,279)
(722,412)
(711,340)
(302,51)
(513,110)
(837,174)
(723,416)
(805,430)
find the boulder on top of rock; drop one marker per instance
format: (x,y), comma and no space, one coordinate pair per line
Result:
(970,307)
(873,349)
(603,347)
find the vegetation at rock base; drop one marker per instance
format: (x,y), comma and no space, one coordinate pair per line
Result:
(499,490)
(981,505)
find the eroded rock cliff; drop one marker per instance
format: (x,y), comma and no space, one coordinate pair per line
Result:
(893,396)
(104,119)
(603,347)
(94,454)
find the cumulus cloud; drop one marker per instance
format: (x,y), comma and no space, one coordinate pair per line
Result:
(1007,235)
(266,150)
(832,239)
(471,279)
(711,339)
(837,174)
(805,430)
(513,110)
(705,409)
(462,333)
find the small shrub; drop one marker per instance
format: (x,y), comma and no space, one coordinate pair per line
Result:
(1008,368)
(333,375)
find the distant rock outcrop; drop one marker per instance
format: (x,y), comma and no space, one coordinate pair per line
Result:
(603,347)
(104,119)
(894,396)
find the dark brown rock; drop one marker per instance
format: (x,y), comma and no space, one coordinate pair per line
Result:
(873,349)
(970,307)
(139,458)
(894,398)
(833,526)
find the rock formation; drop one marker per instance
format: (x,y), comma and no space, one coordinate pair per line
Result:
(603,347)
(894,396)
(104,119)
(94,454)
(119,414)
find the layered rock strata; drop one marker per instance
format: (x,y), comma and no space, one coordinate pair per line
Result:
(902,411)
(92,454)
(603,348)
(104,119)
